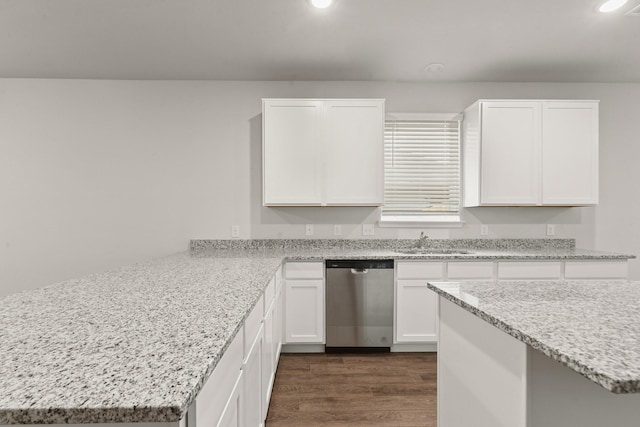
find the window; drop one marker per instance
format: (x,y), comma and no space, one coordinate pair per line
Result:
(421,170)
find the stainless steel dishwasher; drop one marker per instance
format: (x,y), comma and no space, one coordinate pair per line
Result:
(359,301)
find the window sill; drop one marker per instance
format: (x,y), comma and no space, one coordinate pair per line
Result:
(444,221)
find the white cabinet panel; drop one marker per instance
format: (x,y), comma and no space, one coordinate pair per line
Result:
(278,325)
(570,153)
(233,411)
(252,393)
(462,270)
(530,153)
(268,373)
(252,325)
(304,270)
(529,270)
(510,161)
(354,152)
(292,152)
(416,312)
(416,305)
(310,147)
(481,366)
(596,269)
(269,294)
(304,312)
(419,270)
(215,393)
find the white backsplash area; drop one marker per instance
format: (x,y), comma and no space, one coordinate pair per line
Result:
(503,222)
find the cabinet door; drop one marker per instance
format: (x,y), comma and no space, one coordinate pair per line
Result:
(252,393)
(232,414)
(570,153)
(510,153)
(416,312)
(304,311)
(291,150)
(267,360)
(214,395)
(354,150)
(278,326)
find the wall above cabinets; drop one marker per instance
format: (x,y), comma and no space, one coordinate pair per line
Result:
(530,153)
(322,152)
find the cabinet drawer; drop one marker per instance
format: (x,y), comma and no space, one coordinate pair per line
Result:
(252,325)
(596,270)
(470,270)
(419,270)
(279,278)
(269,294)
(304,270)
(529,270)
(215,393)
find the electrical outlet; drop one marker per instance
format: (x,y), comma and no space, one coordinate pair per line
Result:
(368,230)
(484,230)
(337,230)
(235,231)
(309,230)
(551,230)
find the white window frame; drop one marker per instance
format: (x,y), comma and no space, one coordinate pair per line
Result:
(426,221)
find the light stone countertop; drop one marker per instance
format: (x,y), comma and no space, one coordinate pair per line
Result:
(129,345)
(590,326)
(136,344)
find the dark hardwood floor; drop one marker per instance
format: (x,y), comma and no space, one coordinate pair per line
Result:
(383,389)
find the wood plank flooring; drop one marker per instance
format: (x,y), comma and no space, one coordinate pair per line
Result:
(383,389)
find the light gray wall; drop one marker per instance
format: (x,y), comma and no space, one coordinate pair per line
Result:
(95,174)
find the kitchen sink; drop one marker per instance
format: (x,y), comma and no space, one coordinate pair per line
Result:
(427,251)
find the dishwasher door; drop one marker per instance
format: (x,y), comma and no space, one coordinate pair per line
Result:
(359,301)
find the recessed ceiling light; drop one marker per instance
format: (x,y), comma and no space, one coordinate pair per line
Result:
(611,5)
(321,4)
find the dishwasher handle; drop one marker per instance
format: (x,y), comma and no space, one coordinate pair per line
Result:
(359,271)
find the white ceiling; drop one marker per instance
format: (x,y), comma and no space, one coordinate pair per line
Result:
(391,40)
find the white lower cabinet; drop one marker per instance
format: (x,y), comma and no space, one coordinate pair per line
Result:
(278,324)
(212,403)
(416,305)
(268,352)
(232,414)
(238,391)
(252,370)
(291,310)
(304,303)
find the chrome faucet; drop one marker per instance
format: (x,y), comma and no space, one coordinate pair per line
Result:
(422,240)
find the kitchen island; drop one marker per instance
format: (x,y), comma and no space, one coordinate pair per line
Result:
(139,344)
(536,353)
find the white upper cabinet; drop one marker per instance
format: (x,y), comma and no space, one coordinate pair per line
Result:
(570,153)
(291,151)
(530,153)
(323,152)
(354,152)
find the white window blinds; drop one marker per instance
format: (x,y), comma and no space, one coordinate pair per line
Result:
(421,168)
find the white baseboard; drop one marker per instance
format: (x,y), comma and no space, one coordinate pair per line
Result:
(303,348)
(414,348)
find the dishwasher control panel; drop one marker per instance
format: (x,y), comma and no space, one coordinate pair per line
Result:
(360,264)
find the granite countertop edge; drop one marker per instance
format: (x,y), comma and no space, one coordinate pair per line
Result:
(175,412)
(613,385)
